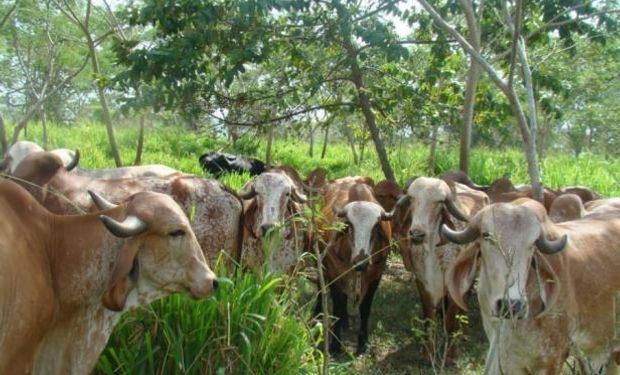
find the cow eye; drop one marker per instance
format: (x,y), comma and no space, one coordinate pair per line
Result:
(177,233)
(486,235)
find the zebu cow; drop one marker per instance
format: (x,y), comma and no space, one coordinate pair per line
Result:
(429,203)
(273,201)
(217,163)
(569,206)
(215,211)
(19,150)
(66,280)
(545,289)
(354,256)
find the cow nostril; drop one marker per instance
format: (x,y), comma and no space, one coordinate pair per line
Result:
(417,236)
(215,285)
(509,308)
(266,229)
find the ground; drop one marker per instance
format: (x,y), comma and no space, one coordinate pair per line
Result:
(396,345)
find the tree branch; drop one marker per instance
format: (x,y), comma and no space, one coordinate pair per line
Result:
(8,14)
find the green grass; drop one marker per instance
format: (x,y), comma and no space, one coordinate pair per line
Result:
(257,325)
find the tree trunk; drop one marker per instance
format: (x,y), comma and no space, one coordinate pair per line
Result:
(269,144)
(362,148)
(356,78)
(140,146)
(325,138)
(432,158)
(3,141)
(44,125)
(311,141)
(473,76)
(349,136)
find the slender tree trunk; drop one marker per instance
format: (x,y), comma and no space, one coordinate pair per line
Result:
(364,100)
(44,125)
(362,148)
(311,140)
(140,146)
(349,136)
(269,144)
(473,76)
(325,138)
(107,118)
(3,141)
(432,158)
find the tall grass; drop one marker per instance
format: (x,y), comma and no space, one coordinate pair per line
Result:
(251,326)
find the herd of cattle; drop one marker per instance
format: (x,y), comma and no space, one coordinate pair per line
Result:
(72,261)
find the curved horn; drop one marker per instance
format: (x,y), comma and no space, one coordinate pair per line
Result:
(310,189)
(550,246)
(339,211)
(74,163)
(298,196)
(101,202)
(454,210)
(467,235)
(248,191)
(131,226)
(402,199)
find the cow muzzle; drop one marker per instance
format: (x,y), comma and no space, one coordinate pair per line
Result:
(417,236)
(205,287)
(360,262)
(266,229)
(508,308)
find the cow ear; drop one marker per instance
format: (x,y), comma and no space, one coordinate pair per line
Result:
(462,273)
(445,219)
(548,282)
(124,278)
(249,218)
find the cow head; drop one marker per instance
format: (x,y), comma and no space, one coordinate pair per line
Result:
(365,231)
(432,203)
(272,193)
(510,242)
(15,153)
(160,256)
(566,207)
(40,167)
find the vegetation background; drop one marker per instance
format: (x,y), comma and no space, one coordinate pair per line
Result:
(382,88)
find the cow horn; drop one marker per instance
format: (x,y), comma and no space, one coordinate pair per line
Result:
(101,202)
(550,246)
(339,211)
(74,163)
(454,210)
(248,191)
(310,189)
(465,236)
(402,199)
(298,196)
(131,226)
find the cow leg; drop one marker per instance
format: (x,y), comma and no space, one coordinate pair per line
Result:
(449,321)
(339,301)
(362,338)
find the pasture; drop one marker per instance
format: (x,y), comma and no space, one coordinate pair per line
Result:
(260,324)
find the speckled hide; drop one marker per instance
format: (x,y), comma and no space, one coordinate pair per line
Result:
(214,210)
(282,252)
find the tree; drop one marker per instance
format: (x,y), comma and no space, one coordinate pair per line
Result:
(512,17)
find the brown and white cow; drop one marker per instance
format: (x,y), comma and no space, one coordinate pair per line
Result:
(274,202)
(215,210)
(66,280)
(355,253)
(429,203)
(19,150)
(545,289)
